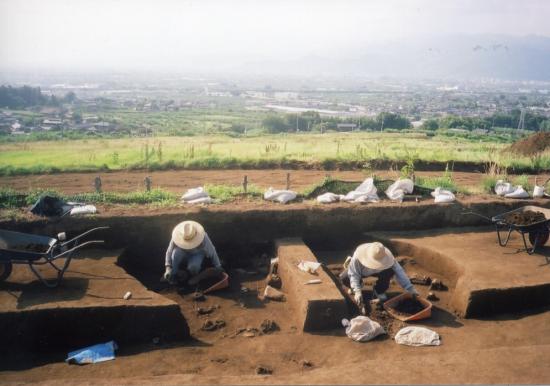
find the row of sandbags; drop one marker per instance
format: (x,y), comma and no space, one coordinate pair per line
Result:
(367,192)
(200,196)
(507,190)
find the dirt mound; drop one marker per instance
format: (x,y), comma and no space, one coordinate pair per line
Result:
(531,145)
(527,217)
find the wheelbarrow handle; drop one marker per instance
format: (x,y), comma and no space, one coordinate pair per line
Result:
(78,247)
(478,215)
(82,235)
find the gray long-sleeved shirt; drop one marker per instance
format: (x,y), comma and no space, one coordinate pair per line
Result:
(206,246)
(358,271)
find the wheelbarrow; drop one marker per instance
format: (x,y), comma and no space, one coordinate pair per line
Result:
(35,250)
(537,233)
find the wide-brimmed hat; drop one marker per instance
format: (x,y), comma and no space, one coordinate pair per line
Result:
(188,234)
(374,256)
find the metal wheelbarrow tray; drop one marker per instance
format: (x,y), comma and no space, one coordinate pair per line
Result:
(538,232)
(33,250)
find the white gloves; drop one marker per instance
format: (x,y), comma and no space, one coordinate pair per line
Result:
(358,295)
(168,274)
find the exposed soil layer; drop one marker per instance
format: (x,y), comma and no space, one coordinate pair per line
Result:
(532,145)
(526,217)
(408,307)
(177,181)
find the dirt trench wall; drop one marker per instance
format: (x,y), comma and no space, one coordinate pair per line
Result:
(230,229)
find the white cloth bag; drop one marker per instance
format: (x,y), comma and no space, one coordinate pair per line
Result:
(366,192)
(329,198)
(282,196)
(442,195)
(417,336)
(397,190)
(193,194)
(503,188)
(519,192)
(362,329)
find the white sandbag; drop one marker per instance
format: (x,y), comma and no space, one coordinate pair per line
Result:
(442,195)
(503,188)
(193,194)
(85,209)
(328,198)
(417,336)
(282,196)
(362,329)
(366,192)
(309,266)
(201,200)
(519,192)
(538,191)
(398,190)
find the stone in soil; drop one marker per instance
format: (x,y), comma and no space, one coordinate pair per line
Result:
(209,325)
(264,370)
(268,326)
(437,285)
(421,280)
(527,217)
(205,310)
(431,296)
(274,281)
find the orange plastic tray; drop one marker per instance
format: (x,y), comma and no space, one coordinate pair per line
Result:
(424,314)
(223,283)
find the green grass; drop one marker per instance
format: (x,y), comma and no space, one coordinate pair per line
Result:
(207,152)
(225,193)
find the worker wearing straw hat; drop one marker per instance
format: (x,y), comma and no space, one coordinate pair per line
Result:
(189,246)
(373,259)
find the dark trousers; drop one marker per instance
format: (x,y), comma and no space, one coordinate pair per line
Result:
(381,285)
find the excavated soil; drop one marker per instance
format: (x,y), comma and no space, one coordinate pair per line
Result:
(408,307)
(527,217)
(536,143)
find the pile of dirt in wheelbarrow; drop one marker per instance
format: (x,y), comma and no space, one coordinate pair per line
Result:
(527,217)
(531,145)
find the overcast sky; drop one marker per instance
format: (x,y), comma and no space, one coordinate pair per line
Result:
(172,34)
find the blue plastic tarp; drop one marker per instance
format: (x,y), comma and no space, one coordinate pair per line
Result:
(94,354)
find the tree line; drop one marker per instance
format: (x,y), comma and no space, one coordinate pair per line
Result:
(535,122)
(26,96)
(312,121)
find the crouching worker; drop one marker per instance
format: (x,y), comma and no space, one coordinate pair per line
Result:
(373,259)
(189,247)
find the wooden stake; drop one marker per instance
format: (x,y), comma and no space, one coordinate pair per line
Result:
(148,183)
(97,184)
(245,183)
(288,181)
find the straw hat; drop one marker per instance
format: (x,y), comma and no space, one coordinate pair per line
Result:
(374,256)
(188,234)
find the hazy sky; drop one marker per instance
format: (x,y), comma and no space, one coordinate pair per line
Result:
(170,34)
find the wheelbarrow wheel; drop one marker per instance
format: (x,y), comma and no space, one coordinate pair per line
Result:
(540,237)
(5,270)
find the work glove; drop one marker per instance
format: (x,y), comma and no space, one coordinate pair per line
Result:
(358,295)
(414,293)
(168,274)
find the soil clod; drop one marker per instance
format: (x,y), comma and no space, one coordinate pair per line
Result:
(437,285)
(408,307)
(198,297)
(421,280)
(431,296)
(268,326)
(209,325)
(307,364)
(274,281)
(527,217)
(264,370)
(205,310)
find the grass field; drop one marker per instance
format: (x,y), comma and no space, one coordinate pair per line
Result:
(262,151)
